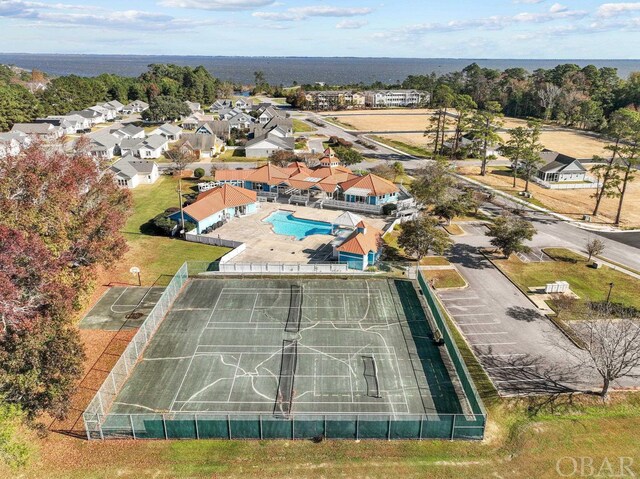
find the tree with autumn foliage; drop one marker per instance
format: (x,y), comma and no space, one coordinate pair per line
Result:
(62,216)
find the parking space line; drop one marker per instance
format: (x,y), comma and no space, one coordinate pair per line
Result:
(478,324)
(484,334)
(458,299)
(500,355)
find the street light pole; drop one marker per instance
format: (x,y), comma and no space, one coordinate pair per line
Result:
(609,295)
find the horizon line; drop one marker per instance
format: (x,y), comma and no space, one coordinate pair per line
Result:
(322,57)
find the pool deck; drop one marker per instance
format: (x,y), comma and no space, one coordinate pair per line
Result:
(263,245)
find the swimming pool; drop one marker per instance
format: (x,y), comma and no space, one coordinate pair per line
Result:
(284,223)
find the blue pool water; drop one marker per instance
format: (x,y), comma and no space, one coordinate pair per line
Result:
(284,223)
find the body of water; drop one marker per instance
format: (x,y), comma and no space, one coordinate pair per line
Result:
(286,70)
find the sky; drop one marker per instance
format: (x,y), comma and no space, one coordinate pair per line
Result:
(545,29)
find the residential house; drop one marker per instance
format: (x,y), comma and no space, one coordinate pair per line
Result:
(219,128)
(153,147)
(223,104)
(130,146)
(281,126)
(240,121)
(130,172)
(560,168)
(265,145)
(68,127)
(93,116)
(393,98)
(43,131)
(194,106)
(219,205)
(191,122)
(170,131)
(470,147)
(108,114)
(137,106)
(115,104)
(70,123)
(266,114)
(103,145)
(201,146)
(129,131)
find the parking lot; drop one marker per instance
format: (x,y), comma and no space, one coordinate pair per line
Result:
(521,350)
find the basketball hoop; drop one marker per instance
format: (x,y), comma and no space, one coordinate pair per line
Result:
(136,271)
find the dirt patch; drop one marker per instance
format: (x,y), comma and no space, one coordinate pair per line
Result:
(570,142)
(572,203)
(103,349)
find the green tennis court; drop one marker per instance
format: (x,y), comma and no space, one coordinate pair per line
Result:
(241,353)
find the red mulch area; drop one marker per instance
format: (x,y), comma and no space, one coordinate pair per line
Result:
(103,349)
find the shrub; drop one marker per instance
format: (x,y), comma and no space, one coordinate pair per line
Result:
(198,172)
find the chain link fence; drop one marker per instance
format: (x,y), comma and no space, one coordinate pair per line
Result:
(100,424)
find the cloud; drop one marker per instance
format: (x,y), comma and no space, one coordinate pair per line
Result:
(496,22)
(221,5)
(60,15)
(351,24)
(529,1)
(302,13)
(607,10)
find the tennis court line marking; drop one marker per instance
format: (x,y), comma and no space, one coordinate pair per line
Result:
(235,375)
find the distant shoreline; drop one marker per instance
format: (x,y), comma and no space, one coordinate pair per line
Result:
(289,69)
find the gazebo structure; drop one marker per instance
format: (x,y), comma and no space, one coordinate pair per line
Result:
(346,220)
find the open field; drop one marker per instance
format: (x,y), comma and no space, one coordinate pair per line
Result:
(397,142)
(572,203)
(570,142)
(398,122)
(589,283)
(157,255)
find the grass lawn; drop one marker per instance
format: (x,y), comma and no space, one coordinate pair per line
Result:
(404,147)
(444,278)
(236,156)
(588,283)
(158,256)
(300,126)
(435,261)
(334,121)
